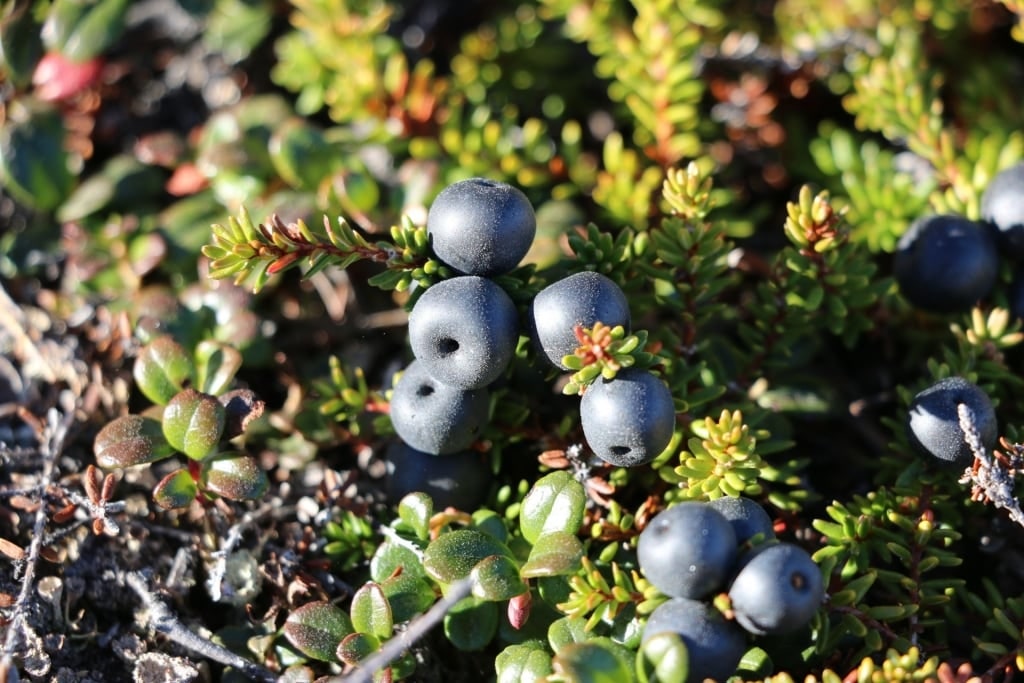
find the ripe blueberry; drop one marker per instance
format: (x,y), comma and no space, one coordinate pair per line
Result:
(945,264)
(581,299)
(435,417)
(481,227)
(464,330)
(688,550)
(747,517)
(714,645)
(778,590)
(459,480)
(628,420)
(1002,207)
(933,422)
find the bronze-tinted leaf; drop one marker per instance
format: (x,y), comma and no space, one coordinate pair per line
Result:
(177,490)
(194,423)
(316,629)
(234,476)
(131,440)
(242,407)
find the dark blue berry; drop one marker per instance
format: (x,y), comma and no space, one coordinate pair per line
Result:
(581,299)
(628,420)
(687,551)
(464,330)
(747,517)
(714,645)
(459,480)
(481,227)
(435,417)
(777,591)
(933,422)
(945,264)
(1002,206)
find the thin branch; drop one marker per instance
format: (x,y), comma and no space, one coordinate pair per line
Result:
(989,479)
(418,628)
(163,620)
(215,582)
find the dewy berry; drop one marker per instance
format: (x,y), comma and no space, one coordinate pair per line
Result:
(714,645)
(628,420)
(747,517)
(464,330)
(933,422)
(1003,208)
(946,263)
(481,227)
(777,591)
(687,551)
(581,299)
(459,480)
(435,417)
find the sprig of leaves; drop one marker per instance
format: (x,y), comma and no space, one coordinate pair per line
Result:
(602,352)
(603,598)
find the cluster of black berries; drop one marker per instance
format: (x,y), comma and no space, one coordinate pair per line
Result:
(947,263)
(463,332)
(695,551)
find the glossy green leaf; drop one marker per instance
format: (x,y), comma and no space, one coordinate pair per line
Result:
(20,44)
(33,161)
(301,155)
(393,557)
(566,631)
(408,595)
(82,30)
(371,612)
(131,440)
(471,624)
(528,662)
(177,490)
(194,423)
(162,369)
(663,659)
(415,510)
(234,476)
(554,553)
(599,660)
(355,647)
(316,629)
(554,503)
(123,184)
(497,578)
(453,555)
(216,365)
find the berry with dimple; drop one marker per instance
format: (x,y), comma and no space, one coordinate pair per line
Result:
(713,644)
(459,480)
(1002,206)
(581,299)
(481,227)
(435,417)
(628,420)
(777,591)
(933,421)
(687,551)
(946,263)
(747,517)
(464,330)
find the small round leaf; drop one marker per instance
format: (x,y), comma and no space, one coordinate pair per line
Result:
(416,509)
(356,646)
(177,490)
(598,660)
(471,624)
(131,440)
(408,595)
(194,423)
(454,554)
(528,662)
(316,629)
(554,553)
(234,476)
(371,612)
(555,503)
(162,369)
(663,659)
(497,578)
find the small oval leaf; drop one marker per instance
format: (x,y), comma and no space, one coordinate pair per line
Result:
(216,365)
(162,369)
(416,509)
(355,647)
(177,490)
(598,660)
(316,629)
(497,578)
(553,554)
(194,423)
(131,440)
(471,624)
(371,612)
(528,662)
(408,595)
(454,554)
(234,476)
(663,658)
(555,503)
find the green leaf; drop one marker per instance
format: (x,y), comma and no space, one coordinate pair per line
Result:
(497,578)
(194,423)
(177,490)
(162,369)
(527,662)
(301,155)
(663,659)
(471,624)
(234,476)
(408,595)
(554,503)
(393,557)
(416,509)
(453,555)
(554,553)
(33,161)
(131,440)
(20,44)
(566,631)
(316,629)
(82,30)
(371,612)
(216,365)
(599,660)
(356,647)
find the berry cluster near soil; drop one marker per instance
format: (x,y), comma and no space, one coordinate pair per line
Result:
(551,341)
